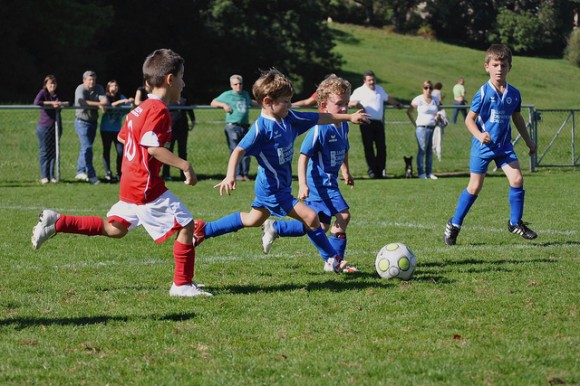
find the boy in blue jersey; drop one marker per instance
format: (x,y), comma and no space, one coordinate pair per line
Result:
(323,154)
(271,140)
(489,122)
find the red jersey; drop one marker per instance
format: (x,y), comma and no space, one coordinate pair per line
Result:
(148,125)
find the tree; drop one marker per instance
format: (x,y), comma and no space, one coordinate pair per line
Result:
(252,35)
(49,38)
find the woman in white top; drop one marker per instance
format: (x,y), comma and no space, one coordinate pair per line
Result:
(427,108)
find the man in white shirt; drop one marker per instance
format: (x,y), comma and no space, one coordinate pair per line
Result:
(371,98)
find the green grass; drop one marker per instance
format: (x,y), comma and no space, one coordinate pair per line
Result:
(495,309)
(402,63)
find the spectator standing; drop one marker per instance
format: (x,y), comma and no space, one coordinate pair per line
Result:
(442,122)
(111,123)
(436,92)
(236,103)
(141,95)
(427,107)
(88,94)
(45,129)
(459,100)
(371,98)
(179,132)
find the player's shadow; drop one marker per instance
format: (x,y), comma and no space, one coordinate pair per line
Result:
(27,322)
(330,285)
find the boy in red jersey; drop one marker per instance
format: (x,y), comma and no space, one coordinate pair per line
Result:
(144,198)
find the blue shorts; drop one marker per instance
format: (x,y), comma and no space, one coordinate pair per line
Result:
(479,165)
(279,205)
(328,207)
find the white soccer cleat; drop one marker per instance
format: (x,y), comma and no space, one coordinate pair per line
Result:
(45,229)
(188,290)
(346,268)
(332,265)
(338,265)
(268,235)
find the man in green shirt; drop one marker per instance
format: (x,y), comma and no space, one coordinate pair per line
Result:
(236,103)
(459,100)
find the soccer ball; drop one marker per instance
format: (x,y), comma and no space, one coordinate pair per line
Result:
(395,260)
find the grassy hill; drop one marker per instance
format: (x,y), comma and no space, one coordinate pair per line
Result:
(402,63)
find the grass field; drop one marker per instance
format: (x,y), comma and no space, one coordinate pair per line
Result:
(493,310)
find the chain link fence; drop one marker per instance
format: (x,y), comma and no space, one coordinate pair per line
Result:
(209,153)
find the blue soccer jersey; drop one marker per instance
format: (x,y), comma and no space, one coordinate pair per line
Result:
(272,143)
(494,114)
(326,146)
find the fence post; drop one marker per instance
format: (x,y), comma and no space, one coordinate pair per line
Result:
(535,116)
(57,126)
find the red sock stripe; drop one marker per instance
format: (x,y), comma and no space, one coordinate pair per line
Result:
(82,225)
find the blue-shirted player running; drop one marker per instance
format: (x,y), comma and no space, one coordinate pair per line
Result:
(271,140)
(324,153)
(488,120)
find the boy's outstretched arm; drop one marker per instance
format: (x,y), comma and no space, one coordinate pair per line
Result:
(357,118)
(522,129)
(165,156)
(229,183)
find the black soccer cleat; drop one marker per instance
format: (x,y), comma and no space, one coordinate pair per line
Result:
(522,230)
(451,233)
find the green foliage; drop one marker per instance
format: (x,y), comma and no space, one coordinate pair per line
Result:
(288,35)
(518,30)
(455,21)
(573,48)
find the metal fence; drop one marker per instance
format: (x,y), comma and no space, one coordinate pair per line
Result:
(553,130)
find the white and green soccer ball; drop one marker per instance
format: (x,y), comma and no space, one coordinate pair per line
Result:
(395,260)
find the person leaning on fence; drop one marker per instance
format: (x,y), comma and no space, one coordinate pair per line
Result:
(88,94)
(144,199)
(46,127)
(489,123)
(111,123)
(179,132)
(236,103)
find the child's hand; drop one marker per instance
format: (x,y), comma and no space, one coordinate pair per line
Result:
(359,117)
(190,176)
(303,192)
(533,148)
(228,184)
(484,137)
(348,179)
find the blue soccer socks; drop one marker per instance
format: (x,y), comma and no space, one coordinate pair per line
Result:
(464,203)
(516,199)
(227,224)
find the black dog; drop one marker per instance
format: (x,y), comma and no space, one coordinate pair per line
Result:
(408,166)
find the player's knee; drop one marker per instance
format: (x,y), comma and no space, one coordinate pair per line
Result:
(115,229)
(339,235)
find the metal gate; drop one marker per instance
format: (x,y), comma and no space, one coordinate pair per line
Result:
(554,130)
